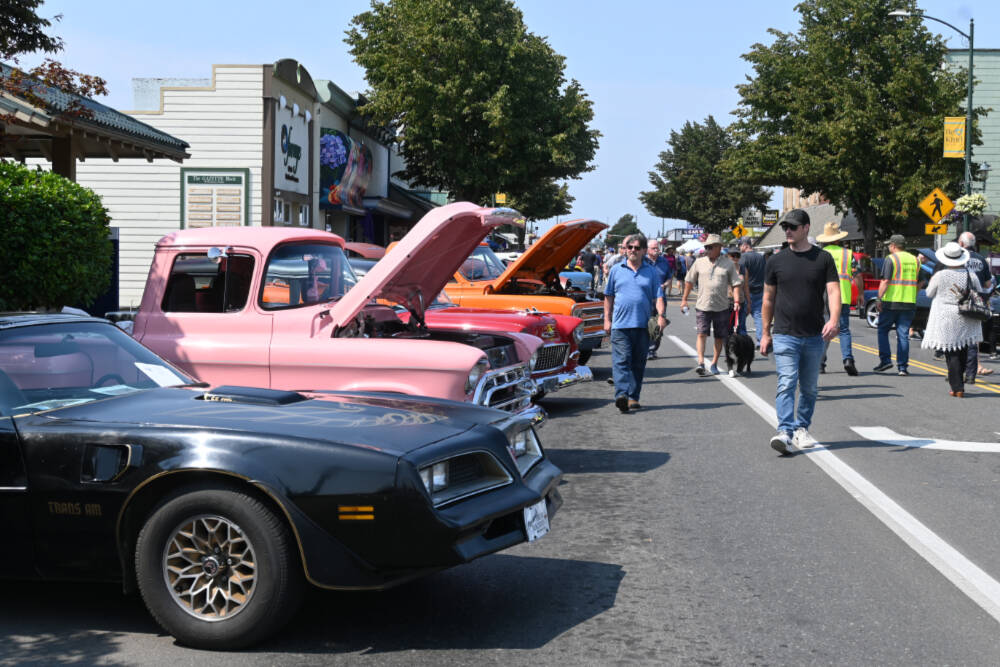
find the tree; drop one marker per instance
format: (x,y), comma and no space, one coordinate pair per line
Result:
(23,31)
(626,225)
(547,200)
(56,247)
(480,104)
(851,106)
(690,184)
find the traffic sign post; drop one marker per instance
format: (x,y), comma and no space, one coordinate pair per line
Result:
(935,229)
(936,205)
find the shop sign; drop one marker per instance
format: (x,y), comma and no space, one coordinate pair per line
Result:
(291,152)
(214,197)
(345,167)
(770,217)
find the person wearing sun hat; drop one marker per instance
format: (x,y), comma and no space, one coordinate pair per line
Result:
(947,329)
(717,278)
(842,258)
(897,304)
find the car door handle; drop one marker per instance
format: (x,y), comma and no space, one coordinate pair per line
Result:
(107,463)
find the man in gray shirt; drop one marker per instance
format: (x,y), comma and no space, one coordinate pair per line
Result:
(752,263)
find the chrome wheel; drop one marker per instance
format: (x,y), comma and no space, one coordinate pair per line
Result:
(210,567)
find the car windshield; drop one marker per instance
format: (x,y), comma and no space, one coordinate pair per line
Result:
(301,274)
(482,265)
(442,301)
(49,366)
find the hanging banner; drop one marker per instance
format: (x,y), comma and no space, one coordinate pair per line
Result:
(954,136)
(345,167)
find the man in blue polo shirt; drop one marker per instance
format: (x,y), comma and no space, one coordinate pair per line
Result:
(633,287)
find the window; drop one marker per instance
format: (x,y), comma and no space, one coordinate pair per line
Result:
(198,284)
(300,274)
(303,216)
(282,212)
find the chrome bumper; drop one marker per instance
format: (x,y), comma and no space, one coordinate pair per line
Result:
(593,340)
(555,382)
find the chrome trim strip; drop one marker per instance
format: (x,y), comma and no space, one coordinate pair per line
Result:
(13,488)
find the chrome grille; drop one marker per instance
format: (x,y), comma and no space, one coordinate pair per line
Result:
(551,356)
(507,389)
(591,315)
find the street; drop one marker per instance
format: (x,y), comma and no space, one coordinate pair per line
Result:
(684,539)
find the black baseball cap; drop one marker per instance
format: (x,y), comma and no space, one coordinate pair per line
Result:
(796,217)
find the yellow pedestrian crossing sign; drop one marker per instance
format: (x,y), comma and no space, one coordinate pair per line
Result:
(936,205)
(739,231)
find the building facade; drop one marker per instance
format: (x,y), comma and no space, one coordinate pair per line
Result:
(986,94)
(268,145)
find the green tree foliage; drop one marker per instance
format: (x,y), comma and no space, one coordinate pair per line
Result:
(626,225)
(690,184)
(851,106)
(547,200)
(22,31)
(56,248)
(480,104)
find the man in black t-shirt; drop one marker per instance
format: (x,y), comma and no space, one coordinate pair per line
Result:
(753,263)
(795,281)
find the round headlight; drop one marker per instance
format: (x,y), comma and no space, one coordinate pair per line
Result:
(475,374)
(578,333)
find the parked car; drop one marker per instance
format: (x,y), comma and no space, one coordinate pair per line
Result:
(280,307)
(578,280)
(365,250)
(532,281)
(555,365)
(220,504)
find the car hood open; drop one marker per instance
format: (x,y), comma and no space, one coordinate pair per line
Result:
(552,252)
(419,266)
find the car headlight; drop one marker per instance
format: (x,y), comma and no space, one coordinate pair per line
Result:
(533,361)
(524,448)
(475,374)
(578,333)
(463,476)
(435,477)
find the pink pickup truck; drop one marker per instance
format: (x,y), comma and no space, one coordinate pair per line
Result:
(281,308)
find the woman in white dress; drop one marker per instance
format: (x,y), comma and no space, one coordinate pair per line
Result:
(947,329)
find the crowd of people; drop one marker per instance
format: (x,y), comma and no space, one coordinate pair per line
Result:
(799,298)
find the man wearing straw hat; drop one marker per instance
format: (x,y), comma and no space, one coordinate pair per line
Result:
(842,258)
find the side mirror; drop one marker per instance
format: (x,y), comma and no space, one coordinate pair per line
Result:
(216,254)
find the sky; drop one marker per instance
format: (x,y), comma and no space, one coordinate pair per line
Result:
(648,66)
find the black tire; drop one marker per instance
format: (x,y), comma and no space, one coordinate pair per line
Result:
(250,615)
(585,357)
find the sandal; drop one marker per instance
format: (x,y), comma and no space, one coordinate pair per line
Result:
(984,371)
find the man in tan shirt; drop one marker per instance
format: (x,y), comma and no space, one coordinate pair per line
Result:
(717,278)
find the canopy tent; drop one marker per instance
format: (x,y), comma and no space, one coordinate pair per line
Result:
(691,245)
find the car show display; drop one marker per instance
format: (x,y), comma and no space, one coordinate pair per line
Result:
(220,504)
(281,308)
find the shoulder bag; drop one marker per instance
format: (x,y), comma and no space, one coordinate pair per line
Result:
(972,304)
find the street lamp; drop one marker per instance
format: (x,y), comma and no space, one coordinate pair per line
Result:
(968,106)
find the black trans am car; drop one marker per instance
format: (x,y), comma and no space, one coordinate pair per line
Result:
(220,504)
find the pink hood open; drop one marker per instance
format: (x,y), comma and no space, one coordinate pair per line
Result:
(420,265)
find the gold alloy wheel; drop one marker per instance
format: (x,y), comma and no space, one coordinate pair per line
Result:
(210,568)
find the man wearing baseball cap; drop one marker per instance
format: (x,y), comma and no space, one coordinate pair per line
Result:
(897,304)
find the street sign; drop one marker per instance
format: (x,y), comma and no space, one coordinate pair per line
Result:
(500,198)
(935,229)
(739,231)
(770,217)
(954,136)
(936,205)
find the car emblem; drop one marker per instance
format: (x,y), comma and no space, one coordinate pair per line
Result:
(549,331)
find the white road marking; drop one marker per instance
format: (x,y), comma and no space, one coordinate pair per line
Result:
(983,589)
(890,437)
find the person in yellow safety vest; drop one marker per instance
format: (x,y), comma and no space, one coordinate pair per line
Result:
(897,304)
(843,259)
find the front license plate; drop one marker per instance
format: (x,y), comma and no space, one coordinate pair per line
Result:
(536,520)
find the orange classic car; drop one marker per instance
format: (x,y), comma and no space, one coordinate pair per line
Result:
(532,281)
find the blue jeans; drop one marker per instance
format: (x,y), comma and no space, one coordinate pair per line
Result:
(797,360)
(902,319)
(845,335)
(755,305)
(629,349)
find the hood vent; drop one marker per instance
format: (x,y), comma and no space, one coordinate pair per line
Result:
(252,396)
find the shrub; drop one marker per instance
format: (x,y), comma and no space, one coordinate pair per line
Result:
(55,249)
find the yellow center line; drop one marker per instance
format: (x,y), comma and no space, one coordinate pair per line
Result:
(988,386)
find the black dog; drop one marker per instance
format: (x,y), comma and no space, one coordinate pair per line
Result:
(741,347)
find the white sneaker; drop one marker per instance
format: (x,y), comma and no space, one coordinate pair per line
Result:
(802,439)
(781,443)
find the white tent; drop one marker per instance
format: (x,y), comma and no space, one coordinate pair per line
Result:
(691,245)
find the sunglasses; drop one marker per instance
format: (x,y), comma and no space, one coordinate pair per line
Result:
(633,247)
(786,226)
